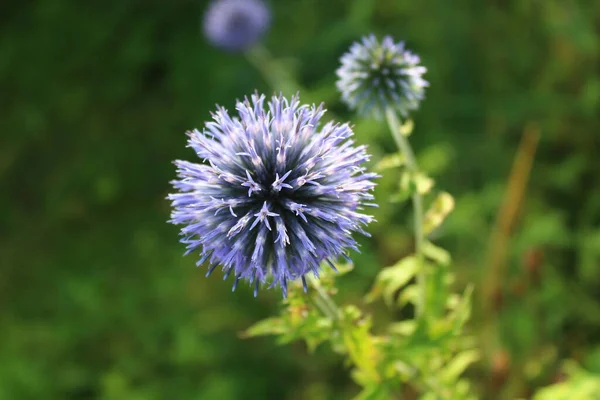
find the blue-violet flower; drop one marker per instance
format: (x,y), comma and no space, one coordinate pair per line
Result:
(236,25)
(277,194)
(374,76)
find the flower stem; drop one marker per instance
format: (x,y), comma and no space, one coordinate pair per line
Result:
(411,164)
(276,76)
(331,309)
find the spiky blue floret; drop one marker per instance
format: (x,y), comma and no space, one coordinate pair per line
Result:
(277,194)
(236,25)
(374,76)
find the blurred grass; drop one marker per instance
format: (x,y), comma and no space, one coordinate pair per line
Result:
(95,298)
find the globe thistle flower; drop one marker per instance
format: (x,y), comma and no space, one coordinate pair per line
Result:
(276,195)
(236,25)
(374,76)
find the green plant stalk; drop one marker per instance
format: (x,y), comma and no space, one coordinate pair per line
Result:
(417,200)
(276,76)
(326,304)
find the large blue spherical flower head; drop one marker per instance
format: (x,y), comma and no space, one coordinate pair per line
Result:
(236,25)
(377,75)
(276,195)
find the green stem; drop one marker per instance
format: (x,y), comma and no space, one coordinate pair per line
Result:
(326,303)
(411,164)
(279,78)
(271,70)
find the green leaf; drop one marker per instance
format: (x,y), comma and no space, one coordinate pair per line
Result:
(360,345)
(458,365)
(411,182)
(436,254)
(403,328)
(269,326)
(581,385)
(407,127)
(404,190)
(308,325)
(416,182)
(437,213)
(400,196)
(462,312)
(391,279)
(374,391)
(327,276)
(390,161)
(314,332)
(409,295)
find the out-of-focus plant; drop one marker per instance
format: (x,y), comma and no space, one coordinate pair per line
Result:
(236,25)
(580,384)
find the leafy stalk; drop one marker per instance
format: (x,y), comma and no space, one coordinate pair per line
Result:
(411,164)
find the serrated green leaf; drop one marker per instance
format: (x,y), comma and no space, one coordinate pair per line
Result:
(390,161)
(374,391)
(404,190)
(351,313)
(269,326)
(360,345)
(461,314)
(436,254)
(328,275)
(404,328)
(455,368)
(412,182)
(316,333)
(310,326)
(400,196)
(437,213)
(391,279)
(410,294)
(405,370)
(580,385)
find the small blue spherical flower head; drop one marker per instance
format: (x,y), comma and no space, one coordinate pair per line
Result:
(374,76)
(276,195)
(236,25)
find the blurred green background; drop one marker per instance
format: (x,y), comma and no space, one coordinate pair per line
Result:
(96,300)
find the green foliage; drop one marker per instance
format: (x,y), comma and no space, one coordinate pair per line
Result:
(580,384)
(393,278)
(314,318)
(437,213)
(390,161)
(429,352)
(96,301)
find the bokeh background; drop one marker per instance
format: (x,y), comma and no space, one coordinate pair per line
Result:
(96,300)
